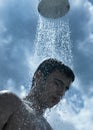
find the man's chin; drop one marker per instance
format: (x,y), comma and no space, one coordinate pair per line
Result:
(53,104)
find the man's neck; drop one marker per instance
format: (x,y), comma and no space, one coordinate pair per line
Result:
(35,104)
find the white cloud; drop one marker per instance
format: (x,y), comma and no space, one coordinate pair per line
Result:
(63,117)
(87,46)
(5,38)
(77,3)
(10,84)
(23,91)
(85,118)
(2,27)
(87,23)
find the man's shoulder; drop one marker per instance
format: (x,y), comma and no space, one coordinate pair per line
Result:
(9,99)
(9,103)
(4,93)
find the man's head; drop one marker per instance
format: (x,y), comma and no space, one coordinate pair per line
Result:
(51,79)
(50,65)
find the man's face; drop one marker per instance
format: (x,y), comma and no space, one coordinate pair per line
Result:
(55,86)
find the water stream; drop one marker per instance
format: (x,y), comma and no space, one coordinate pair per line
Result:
(53,40)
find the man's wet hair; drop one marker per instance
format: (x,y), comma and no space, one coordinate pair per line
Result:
(50,65)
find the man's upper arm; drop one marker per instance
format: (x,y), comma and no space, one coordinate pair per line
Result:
(8,104)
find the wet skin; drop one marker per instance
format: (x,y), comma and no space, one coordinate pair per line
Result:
(56,85)
(16,114)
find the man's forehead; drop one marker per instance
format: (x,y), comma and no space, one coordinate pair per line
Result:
(61,75)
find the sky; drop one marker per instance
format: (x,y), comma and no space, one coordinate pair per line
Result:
(18,29)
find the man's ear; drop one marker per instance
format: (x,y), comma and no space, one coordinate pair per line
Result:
(38,75)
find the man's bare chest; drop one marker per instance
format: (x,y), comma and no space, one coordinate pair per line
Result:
(24,119)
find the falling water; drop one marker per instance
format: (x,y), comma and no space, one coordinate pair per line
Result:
(53,40)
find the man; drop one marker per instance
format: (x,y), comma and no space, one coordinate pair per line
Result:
(50,81)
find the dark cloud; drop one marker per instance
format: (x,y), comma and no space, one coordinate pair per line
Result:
(80,18)
(91,1)
(20,18)
(13,65)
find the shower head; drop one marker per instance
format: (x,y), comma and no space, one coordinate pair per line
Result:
(53,8)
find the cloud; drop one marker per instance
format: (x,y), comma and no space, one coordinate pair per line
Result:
(63,116)
(87,46)
(20,18)
(84,119)
(57,122)
(11,86)
(91,1)
(81,20)
(17,31)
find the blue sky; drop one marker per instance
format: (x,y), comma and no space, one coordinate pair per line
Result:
(18,29)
